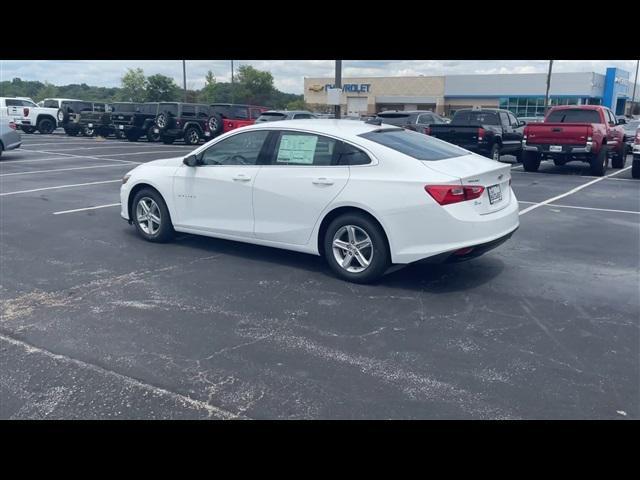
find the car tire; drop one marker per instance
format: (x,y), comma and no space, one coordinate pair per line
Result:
(494,154)
(157,228)
(191,136)
(88,132)
(215,124)
(635,168)
(518,155)
(152,136)
(132,137)
(119,134)
(28,130)
(620,158)
(46,126)
(61,116)
(530,161)
(377,257)
(598,162)
(163,121)
(167,140)
(71,132)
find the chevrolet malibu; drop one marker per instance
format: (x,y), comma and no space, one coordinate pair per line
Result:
(361,194)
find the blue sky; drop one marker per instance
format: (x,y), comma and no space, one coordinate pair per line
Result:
(288,74)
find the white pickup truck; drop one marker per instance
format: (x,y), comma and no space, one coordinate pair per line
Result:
(29,116)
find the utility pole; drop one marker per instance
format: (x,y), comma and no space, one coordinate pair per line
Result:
(633,96)
(338,84)
(184,78)
(233,88)
(546,97)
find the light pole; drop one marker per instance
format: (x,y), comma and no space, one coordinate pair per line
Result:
(233,90)
(633,96)
(184,78)
(546,97)
(338,84)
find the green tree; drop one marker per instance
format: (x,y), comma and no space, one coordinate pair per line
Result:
(134,85)
(208,92)
(47,91)
(162,88)
(297,105)
(254,86)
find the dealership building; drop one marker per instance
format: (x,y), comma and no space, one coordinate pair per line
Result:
(523,94)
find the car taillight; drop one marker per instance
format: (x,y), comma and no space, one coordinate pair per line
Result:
(448,194)
(25,110)
(12,126)
(480,134)
(427,130)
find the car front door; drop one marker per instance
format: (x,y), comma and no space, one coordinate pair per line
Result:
(508,136)
(216,195)
(299,182)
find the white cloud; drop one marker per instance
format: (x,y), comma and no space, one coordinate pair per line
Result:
(288,74)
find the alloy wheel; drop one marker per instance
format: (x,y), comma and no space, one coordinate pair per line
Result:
(352,248)
(148,216)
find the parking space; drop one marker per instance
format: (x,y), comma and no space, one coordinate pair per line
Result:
(97,323)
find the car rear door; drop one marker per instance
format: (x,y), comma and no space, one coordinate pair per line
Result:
(298,183)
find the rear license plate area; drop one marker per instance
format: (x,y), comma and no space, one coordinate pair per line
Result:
(495,194)
(555,148)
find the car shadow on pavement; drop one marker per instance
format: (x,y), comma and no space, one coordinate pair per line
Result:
(434,278)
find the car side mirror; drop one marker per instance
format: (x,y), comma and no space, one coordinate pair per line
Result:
(622,121)
(190,161)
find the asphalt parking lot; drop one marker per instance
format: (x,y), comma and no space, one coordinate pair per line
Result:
(97,323)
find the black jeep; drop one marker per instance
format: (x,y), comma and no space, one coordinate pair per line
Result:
(96,121)
(187,121)
(70,112)
(136,120)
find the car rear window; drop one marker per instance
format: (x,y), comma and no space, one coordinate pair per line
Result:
(397,119)
(125,107)
(170,108)
(574,116)
(474,118)
(271,116)
(414,144)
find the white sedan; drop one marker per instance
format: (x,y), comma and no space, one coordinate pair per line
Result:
(363,195)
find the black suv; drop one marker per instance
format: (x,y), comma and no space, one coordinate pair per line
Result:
(417,120)
(70,112)
(136,120)
(187,121)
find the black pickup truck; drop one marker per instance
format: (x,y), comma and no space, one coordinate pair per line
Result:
(135,120)
(488,131)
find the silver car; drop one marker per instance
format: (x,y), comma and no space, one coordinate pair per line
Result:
(9,137)
(275,115)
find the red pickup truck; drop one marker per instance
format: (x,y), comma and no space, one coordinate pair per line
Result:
(587,133)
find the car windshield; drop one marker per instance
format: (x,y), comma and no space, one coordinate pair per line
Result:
(573,116)
(467,117)
(414,144)
(271,116)
(397,119)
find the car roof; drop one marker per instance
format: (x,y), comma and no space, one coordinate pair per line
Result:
(579,107)
(287,111)
(347,129)
(406,111)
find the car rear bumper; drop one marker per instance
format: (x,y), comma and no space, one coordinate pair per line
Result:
(426,231)
(566,149)
(468,253)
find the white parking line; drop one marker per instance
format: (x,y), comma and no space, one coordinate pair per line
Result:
(570,192)
(85,209)
(553,205)
(69,155)
(58,187)
(105,148)
(66,169)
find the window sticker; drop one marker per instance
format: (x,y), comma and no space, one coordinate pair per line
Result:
(297,149)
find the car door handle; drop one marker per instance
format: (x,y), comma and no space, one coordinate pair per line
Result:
(322,181)
(241,177)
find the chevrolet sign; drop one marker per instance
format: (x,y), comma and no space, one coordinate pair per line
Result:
(316,88)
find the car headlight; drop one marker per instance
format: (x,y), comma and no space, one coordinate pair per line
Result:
(126,178)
